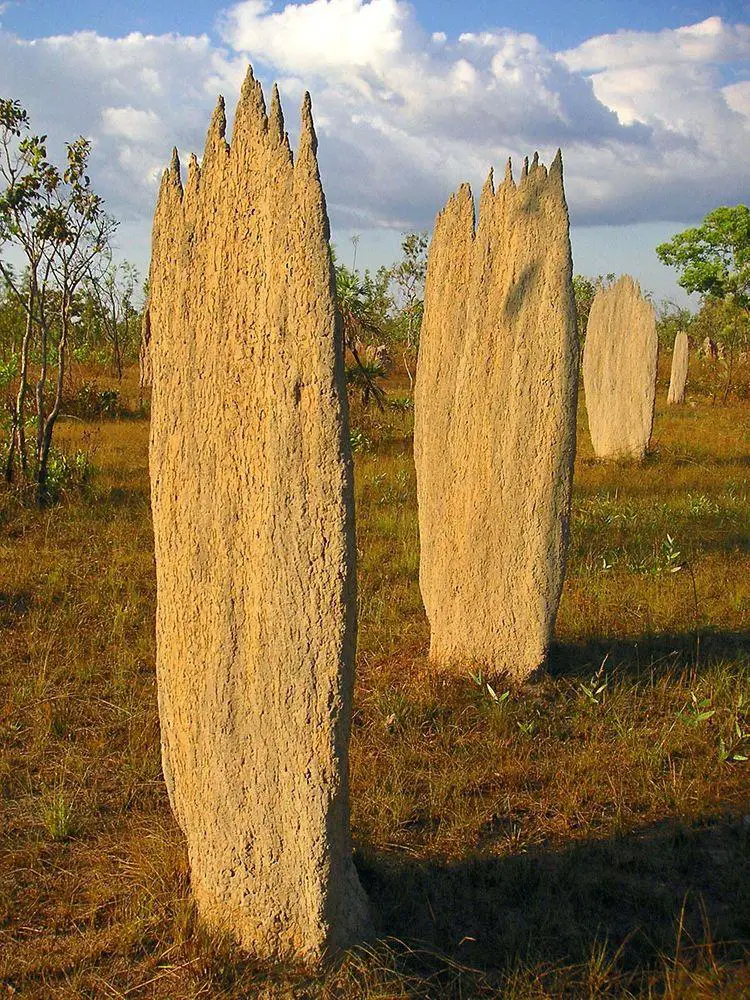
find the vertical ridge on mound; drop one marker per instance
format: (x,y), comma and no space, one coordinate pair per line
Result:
(254,537)
(619,370)
(678,375)
(495,421)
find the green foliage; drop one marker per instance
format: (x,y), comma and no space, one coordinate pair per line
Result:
(364,375)
(90,401)
(386,306)
(359,305)
(714,258)
(8,371)
(408,275)
(58,814)
(67,472)
(723,321)
(57,222)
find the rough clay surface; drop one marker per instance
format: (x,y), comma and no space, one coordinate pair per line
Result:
(619,370)
(678,378)
(495,414)
(255,551)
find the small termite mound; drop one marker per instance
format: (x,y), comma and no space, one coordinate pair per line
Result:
(619,371)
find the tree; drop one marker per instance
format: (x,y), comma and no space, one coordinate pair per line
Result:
(28,177)
(360,322)
(409,275)
(59,226)
(111,288)
(714,258)
(671,319)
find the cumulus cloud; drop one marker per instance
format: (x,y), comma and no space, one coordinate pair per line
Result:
(652,125)
(135,97)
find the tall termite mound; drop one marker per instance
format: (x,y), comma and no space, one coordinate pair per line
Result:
(619,370)
(678,377)
(255,552)
(495,415)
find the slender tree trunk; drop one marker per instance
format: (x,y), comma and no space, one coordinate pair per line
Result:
(18,425)
(49,423)
(730,366)
(40,386)
(116,344)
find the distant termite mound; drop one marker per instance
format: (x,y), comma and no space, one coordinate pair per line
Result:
(678,377)
(254,532)
(495,414)
(619,370)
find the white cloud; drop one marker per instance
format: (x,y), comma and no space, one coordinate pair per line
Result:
(333,35)
(652,125)
(710,41)
(135,97)
(131,123)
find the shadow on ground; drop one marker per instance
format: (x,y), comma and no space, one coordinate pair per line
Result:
(639,894)
(642,655)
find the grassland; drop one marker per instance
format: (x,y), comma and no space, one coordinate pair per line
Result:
(587,836)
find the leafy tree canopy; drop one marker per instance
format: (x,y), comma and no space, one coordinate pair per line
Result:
(714,258)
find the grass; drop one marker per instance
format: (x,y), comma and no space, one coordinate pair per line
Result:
(587,836)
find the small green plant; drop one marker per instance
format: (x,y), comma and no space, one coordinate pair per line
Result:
(487,690)
(58,814)
(595,690)
(67,472)
(8,371)
(401,403)
(364,376)
(358,440)
(395,711)
(736,749)
(696,711)
(526,727)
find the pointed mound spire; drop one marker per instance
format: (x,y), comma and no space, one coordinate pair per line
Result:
(276,117)
(193,175)
(525,168)
(556,168)
(308,140)
(534,163)
(489,184)
(173,175)
(218,126)
(250,116)
(508,179)
(217,129)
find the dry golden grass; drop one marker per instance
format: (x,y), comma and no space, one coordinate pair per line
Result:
(585,837)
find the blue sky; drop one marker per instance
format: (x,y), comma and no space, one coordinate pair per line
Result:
(650,103)
(557,24)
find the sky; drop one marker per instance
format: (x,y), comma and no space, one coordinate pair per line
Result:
(649,101)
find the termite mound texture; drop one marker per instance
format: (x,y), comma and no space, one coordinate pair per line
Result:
(495,413)
(252,501)
(678,377)
(619,371)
